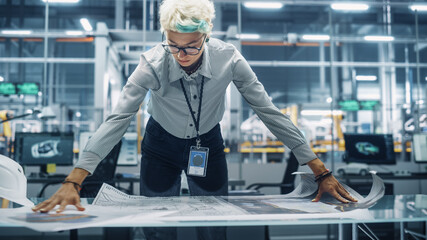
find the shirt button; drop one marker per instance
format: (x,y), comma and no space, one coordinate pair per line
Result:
(188,136)
(195,96)
(191,124)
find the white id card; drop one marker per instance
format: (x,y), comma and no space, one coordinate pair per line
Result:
(198,161)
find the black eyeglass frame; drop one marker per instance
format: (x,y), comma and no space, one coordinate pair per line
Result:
(166,47)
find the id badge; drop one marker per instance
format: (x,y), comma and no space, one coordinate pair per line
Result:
(198,161)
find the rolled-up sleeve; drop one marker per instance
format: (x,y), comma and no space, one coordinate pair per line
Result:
(278,123)
(112,130)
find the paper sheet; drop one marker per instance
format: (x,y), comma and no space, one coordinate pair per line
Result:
(112,207)
(178,206)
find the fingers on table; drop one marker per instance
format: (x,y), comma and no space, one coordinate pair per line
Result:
(318,196)
(79,206)
(41,205)
(346,194)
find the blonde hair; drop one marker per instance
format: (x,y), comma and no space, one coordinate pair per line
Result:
(187,16)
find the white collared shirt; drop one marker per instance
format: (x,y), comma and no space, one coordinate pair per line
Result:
(159,72)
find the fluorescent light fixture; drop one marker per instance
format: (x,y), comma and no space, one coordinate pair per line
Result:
(17,32)
(62,1)
(418,7)
(379,38)
(86,24)
(248,36)
(311,37)
(74,33)
(426,78)
(263,5)
(366,78)
(1,79)
(320,112)
(350,6)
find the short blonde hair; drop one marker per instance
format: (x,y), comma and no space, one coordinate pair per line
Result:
(187,16)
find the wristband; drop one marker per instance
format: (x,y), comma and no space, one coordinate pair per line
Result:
(322,176)
(77,186)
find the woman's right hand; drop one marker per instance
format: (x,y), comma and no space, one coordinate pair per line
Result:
(67,194)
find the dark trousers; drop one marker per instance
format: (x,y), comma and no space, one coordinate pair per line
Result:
(165,156)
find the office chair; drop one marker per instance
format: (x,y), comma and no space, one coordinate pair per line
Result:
(288,182)
(104,173)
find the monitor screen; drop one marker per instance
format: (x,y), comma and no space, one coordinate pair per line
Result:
(419,146)
(44,148)
(129,150)
(27,88)
(370,148)
(7,88)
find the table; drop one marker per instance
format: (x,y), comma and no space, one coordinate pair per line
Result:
(386,176)
(47,181)
(390,209)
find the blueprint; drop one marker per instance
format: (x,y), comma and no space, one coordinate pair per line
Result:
(111,207)
(178,206)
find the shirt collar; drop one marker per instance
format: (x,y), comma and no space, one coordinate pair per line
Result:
(176,73)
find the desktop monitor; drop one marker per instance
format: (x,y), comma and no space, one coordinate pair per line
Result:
(27,88)
(128,155)
(7,88)
(44,148)
(419,146)
(369,148)
(129,151)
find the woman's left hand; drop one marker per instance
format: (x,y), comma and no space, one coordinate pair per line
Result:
(328,184)
(331,185)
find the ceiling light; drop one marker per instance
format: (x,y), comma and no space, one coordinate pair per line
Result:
(379,38)
(350,6)
(86,24)
(418,7)
(74,33)
(62,1)
(263,5)
(320,112)
(17,32)
(248,36)
(366,78)
(316,37)
(426,78)
(2,79)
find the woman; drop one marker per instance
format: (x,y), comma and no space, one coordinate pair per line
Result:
(188,75)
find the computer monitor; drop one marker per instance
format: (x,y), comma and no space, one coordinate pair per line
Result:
(39,149)
(419,146)
(369,148)
(128,152)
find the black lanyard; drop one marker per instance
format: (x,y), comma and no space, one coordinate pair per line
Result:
(196,122)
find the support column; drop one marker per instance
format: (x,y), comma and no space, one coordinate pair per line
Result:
(234,106)
(101,56)
(119,15)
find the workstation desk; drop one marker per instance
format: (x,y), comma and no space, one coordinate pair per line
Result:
(52,180)
(400,209)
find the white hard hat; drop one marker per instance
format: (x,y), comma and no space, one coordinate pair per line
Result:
(13,183)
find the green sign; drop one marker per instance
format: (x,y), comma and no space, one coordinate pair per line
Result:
(27,88)
(368,104)
(353,105)
(7,88)
(349,105)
